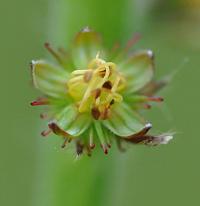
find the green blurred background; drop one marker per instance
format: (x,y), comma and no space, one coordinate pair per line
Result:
(35,172)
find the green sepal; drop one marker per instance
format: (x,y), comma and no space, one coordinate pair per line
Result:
(123,121)
(49,79)
(73,122)
(138,70)
(86,45)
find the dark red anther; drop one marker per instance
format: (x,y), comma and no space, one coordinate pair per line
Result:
(155,99)
(45,132)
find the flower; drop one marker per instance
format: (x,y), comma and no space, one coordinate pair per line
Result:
(96,96)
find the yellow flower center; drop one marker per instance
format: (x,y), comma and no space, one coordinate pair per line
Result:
(96,88)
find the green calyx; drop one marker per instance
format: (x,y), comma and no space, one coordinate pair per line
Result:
(91,98)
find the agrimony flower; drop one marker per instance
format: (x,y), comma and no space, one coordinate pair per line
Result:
(95,96)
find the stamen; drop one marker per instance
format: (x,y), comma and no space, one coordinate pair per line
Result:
(76,79)
(40,101)
(64,143)
(80,72)
(79,148)
(105,148)
(155,99)
(146,106)
(117,80)
(107,138)
(63,51)
(109,145)
(95,113)
(105,114)
(112,102)
(88,150)
(115,47)
(53,52)
(101,137)
(107,73)
(87,76)
(103,89)
(97,55)
(92,146)
(96,93)
(107,85)
(43,116)
(92,84)
(46,132)
(102,73)
(132,41)
(91,140)
(117,97)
